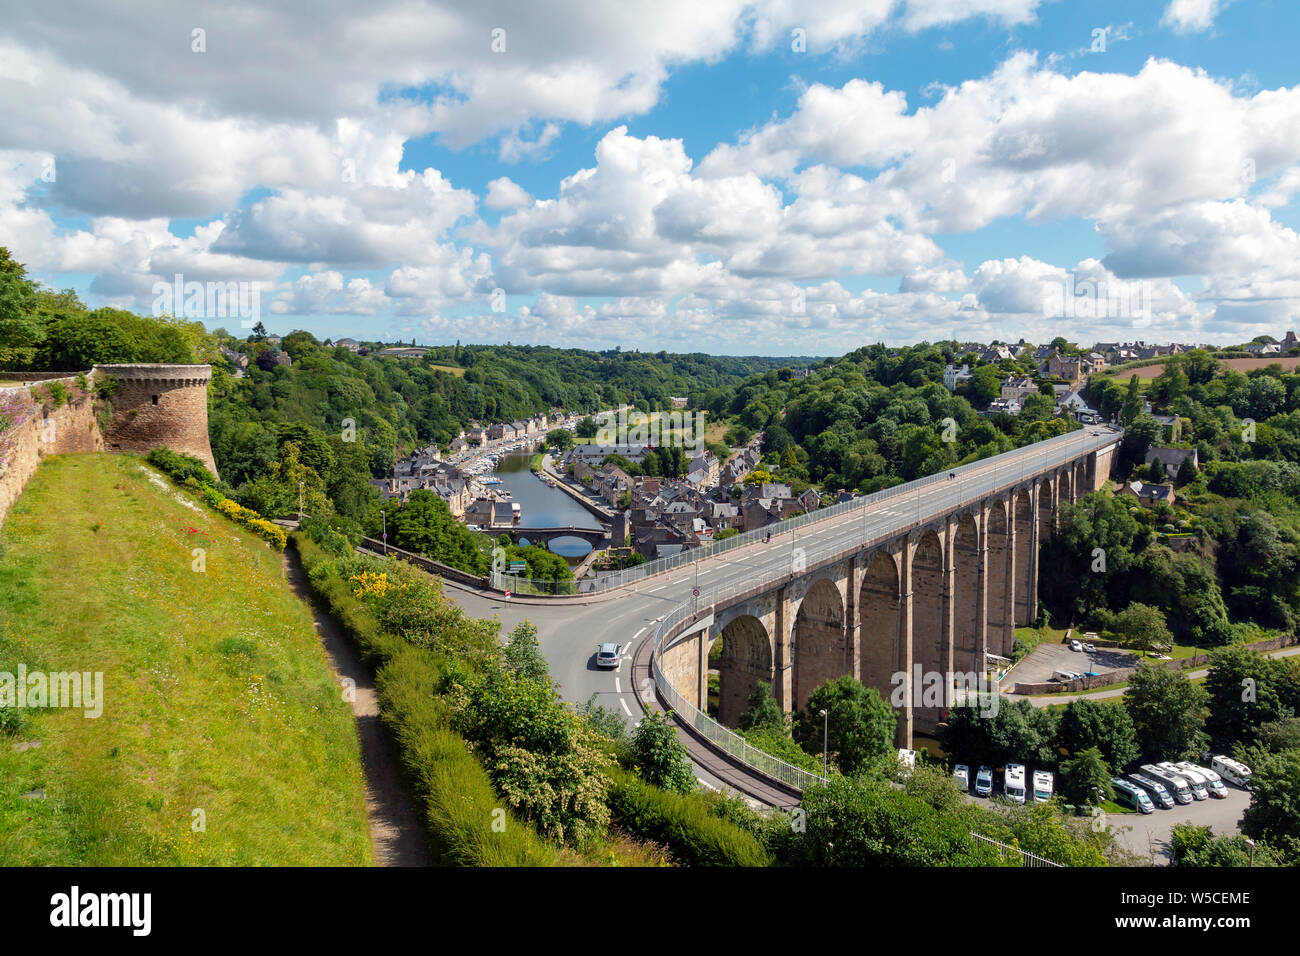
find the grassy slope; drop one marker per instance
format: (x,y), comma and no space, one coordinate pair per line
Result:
(452,369)
(217,692)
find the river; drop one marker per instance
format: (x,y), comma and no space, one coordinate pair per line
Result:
(542,506)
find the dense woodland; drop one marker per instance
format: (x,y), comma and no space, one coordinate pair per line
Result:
(873,418)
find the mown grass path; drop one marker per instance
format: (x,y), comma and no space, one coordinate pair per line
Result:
(224,737)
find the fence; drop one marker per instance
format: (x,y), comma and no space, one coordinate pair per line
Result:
(975,480)
(1005,849)
(727,741)
(434,567)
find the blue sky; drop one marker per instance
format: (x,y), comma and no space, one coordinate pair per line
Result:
(678,178)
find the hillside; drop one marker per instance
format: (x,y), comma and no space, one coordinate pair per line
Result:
(217,696)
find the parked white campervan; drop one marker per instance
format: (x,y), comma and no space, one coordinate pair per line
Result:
(1212,782)
(1129,794)
(1159,795)
(1234,771)
(1176,784)
(1194,779)
(1043,786)
(1013,782)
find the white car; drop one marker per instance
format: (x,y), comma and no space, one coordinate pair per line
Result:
(1090,648)
(607,655)
(961,776)
(1075,646)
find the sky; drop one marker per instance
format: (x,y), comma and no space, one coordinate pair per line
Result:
(724,176)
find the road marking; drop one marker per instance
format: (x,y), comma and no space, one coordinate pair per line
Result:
(706,783)
(617,689)
(626,710)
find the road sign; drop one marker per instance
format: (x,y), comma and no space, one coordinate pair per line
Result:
(695,592)
(516,566)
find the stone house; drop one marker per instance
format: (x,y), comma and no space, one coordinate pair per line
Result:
(1067,367)
(1171,458)
(1150,495)
(1016,389)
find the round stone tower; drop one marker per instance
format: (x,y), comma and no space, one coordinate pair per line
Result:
(155,405)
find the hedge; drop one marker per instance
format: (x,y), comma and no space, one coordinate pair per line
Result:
(457,796)
(684,823)
(458,803)
(247,517)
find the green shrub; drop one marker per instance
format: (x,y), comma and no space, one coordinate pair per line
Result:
(468,823)
(334,534)
(685,823)
(57,392)
(178,466)
(868,823)
(542,756)
(660,757)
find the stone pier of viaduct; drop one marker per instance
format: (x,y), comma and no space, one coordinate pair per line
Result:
(938,597)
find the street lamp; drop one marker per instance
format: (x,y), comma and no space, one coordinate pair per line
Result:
(1251,843)
(825,738)
(300,484)
(384,518)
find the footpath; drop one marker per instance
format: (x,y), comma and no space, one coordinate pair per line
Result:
(395,831)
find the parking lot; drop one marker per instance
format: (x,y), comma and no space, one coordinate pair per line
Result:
(1045,659)
(1149,833)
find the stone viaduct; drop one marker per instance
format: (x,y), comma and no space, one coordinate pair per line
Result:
(937,597)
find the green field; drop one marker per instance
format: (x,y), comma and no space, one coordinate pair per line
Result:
(450,369)
(223,739)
